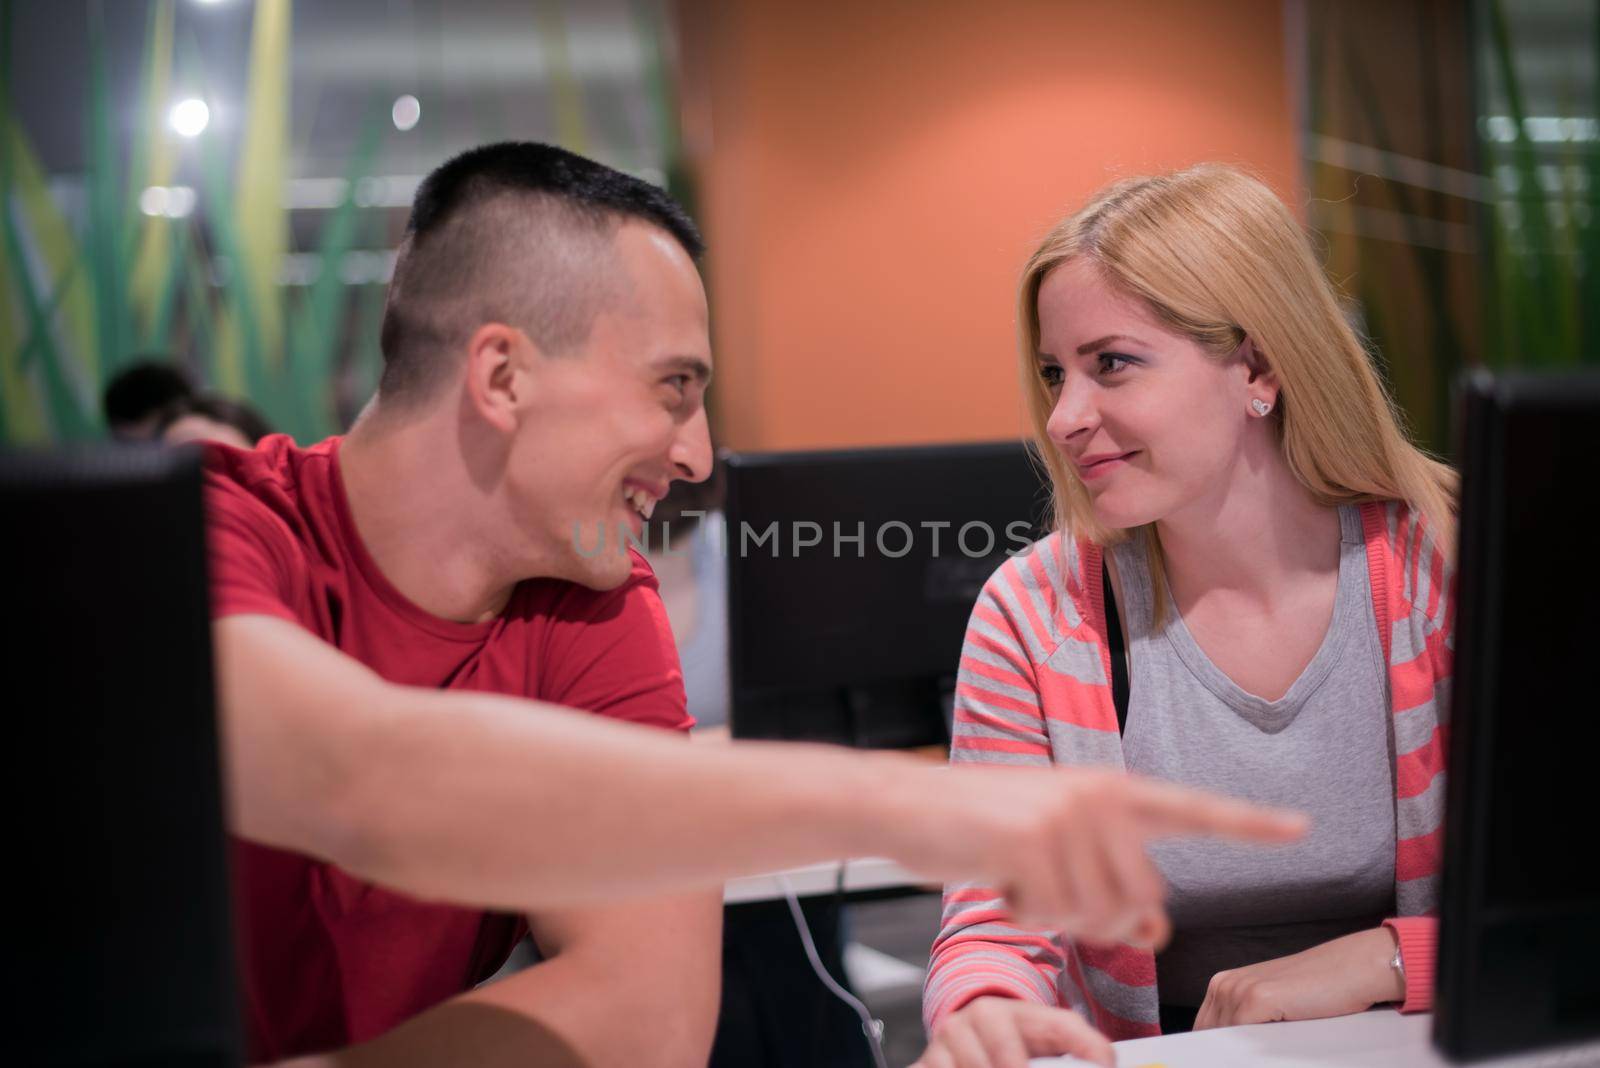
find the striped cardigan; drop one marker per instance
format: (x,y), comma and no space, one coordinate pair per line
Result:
(1033,690)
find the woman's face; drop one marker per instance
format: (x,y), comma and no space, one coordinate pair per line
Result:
(1151,423)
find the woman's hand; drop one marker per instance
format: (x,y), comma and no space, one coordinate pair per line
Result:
(1349,974)
(994,1032)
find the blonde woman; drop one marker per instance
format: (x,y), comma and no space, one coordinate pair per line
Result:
(1235,493)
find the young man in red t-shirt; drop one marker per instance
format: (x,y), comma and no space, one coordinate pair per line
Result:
(546,348)
(401,614)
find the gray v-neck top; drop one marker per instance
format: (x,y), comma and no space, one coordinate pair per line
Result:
(1323,747)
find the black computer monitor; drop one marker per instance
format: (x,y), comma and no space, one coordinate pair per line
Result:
(1520,899)
(851,576)
(119,945)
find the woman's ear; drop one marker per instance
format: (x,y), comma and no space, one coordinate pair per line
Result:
(1262,384)
(1253,358)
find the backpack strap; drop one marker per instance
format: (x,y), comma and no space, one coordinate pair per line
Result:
(1119,658)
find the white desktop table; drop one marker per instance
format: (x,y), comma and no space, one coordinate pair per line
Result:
(867,873)
(1382,1038)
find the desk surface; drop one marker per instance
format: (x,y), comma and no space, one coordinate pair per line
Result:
(1381,1038)
(868,873)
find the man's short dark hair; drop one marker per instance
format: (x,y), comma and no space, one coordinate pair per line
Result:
(140,390)
(516,232)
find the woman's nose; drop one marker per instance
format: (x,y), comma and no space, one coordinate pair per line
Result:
(1074,413)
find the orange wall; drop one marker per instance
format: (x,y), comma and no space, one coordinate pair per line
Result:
(871,177)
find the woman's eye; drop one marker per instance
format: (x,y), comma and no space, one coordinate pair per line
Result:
(1112,362)
(1051,375)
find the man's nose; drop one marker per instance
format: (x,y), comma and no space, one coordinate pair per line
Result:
(691,449)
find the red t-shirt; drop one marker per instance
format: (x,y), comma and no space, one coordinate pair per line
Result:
(328,959)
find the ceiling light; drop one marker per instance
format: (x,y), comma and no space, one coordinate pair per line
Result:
(407,110)
(171,201)
(180,201)
(189,117)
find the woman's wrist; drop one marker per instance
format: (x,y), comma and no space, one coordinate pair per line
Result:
(1389,980)
(1419,939)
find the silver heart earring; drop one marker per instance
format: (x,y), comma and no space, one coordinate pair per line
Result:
(1261,407)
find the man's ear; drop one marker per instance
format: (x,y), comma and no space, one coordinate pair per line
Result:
(495,380)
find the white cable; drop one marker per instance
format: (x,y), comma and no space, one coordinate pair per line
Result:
(869,1026)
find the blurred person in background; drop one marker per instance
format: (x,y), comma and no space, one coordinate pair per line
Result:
(136,397)
(1230,472)
(208,417)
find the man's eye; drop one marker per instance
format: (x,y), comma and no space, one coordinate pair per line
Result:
(1051,374)
(678,382)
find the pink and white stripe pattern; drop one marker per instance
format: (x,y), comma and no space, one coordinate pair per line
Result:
(1033,688)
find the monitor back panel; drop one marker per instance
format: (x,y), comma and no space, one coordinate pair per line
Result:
(120,949)
(878,606)
(1520,933)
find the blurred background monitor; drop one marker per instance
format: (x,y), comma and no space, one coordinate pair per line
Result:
(120,950)
(851,575)
(1520,923)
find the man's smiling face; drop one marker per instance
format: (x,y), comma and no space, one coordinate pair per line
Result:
(609,425)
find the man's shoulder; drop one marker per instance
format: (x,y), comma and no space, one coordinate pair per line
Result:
(275,486)
(275,467)
(267,517)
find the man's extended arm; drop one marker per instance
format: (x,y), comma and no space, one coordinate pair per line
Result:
(466,797)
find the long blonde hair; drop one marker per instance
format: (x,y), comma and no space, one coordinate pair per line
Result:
(1216,257)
